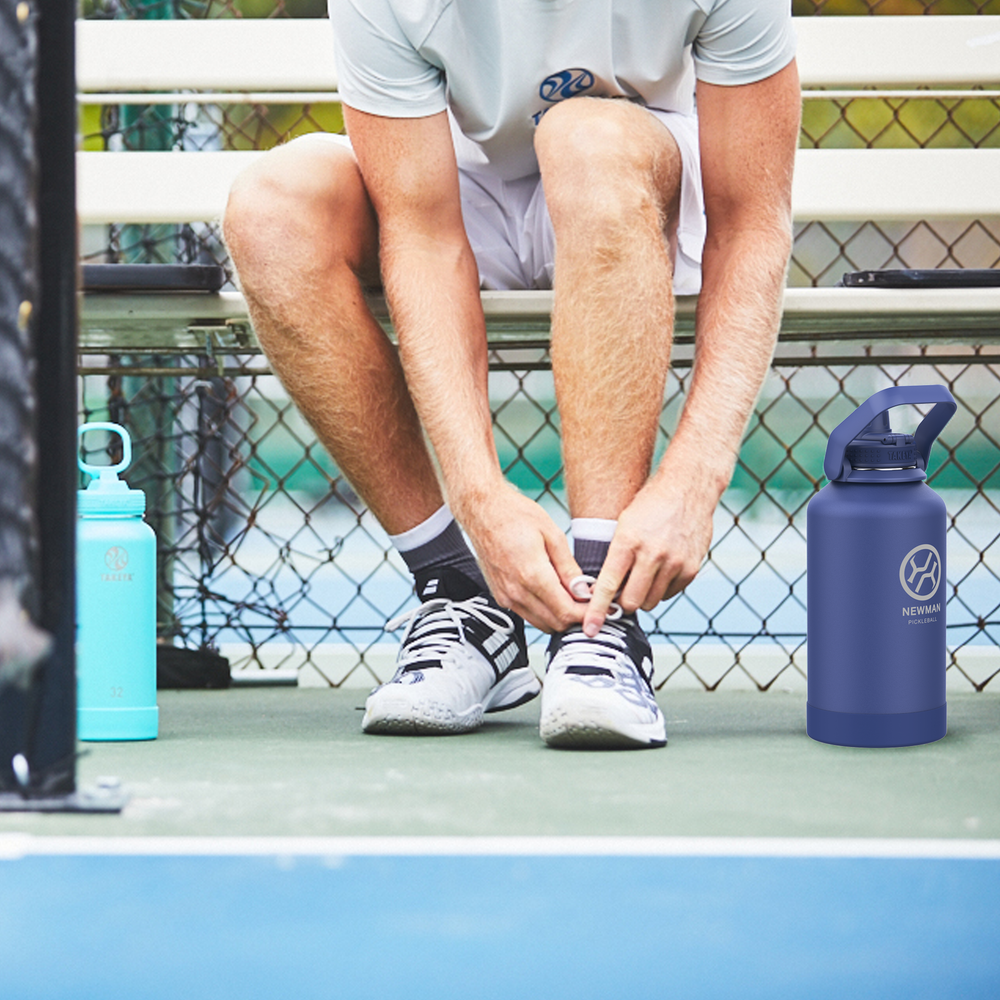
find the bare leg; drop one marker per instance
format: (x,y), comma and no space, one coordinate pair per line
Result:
(304,239)
(611,174)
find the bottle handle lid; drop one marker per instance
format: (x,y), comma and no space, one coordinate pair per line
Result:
(106,471)
(835,465)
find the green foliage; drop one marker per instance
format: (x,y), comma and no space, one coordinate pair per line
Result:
(90,127)
(283,8)
(263,127)
(177,9)
(882,123)
(856,8)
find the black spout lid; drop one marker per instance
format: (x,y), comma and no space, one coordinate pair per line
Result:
(879,447)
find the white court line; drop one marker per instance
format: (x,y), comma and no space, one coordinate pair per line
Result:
(20,845)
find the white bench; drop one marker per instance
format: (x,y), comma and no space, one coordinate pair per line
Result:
(291,61)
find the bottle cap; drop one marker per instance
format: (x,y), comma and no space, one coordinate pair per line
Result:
(106,495)
(879,447)
(865,449)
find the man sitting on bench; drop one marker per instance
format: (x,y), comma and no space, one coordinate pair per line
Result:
(532,144)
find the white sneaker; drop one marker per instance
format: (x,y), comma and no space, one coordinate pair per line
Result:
(598,692)
(458,660)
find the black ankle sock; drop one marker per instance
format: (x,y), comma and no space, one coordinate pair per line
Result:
(445,556)
(590,554)
(446,581)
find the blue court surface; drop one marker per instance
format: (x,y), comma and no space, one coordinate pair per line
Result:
(107,918)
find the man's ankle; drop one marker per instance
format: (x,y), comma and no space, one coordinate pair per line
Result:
(591,541)
(448,582)
(437,549)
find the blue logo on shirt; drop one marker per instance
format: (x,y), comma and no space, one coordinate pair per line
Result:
(561,86)
(567,83)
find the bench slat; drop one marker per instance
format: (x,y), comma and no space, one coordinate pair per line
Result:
(830,184)
(896,184)
(948,50)
(297,53)
(154,321)
(210,54)
(156,187)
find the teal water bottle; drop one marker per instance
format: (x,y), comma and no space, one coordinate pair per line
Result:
(116,604)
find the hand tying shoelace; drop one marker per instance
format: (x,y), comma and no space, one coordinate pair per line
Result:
(586,582)
(598,689)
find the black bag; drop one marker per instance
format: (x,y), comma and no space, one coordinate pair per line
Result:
(190,668)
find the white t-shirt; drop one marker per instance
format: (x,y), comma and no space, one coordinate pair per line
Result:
(498,65)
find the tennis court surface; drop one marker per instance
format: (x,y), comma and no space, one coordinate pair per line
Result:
(270,849)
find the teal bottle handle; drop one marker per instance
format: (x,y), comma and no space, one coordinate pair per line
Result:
(835,465)
(98,471)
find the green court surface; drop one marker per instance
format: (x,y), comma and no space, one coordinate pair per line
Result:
(293,762)
(270,849)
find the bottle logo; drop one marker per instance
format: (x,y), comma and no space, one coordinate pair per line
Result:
(920,572)
(116,558)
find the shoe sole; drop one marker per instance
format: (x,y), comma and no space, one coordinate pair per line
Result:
(396,717)
(584,736)
(592,729)
(428,719)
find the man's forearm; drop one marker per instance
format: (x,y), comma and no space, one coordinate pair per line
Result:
(431,281)
(432,284)
(748,137)
(434,295)
(433,292)
(738,316)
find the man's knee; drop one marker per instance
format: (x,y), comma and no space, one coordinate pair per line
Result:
(305,191)
(607,158)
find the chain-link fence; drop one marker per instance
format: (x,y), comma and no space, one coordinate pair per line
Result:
(266,553)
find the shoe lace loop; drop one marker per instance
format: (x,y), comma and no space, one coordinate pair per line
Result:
(582,588)
(434,626)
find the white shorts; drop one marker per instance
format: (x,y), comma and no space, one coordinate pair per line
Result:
(511,234)
(510,231)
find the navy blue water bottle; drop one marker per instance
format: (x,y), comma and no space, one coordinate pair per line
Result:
(876,560)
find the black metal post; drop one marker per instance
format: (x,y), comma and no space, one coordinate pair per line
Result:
(44,768)
(53,749)
(22,645)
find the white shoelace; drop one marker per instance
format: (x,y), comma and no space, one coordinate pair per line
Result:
(608,644)
(604,652)
(436,624)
